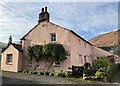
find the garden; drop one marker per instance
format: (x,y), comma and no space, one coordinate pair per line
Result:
(100,70)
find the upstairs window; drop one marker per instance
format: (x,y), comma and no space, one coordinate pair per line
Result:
(9,59)
(53,37)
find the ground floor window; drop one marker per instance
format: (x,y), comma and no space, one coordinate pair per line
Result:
(29,61)
(85,60)
(9,58)
(56,64)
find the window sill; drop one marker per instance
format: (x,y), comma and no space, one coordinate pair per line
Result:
(9,63)
(29,65)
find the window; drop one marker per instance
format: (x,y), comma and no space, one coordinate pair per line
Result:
(9,58)
(53,37)
(56,64)
(85,60)
(30,62)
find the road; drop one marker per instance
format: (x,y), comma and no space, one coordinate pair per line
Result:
(21,78)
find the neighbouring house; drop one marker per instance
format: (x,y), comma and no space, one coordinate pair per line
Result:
(80,50)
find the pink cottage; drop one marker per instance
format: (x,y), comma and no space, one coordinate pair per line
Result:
(80,50)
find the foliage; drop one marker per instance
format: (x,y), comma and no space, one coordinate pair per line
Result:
(47,73)
(87,65)
(34,72)
(38,53)
(90,72)
(52,73)
(10,40)
(41,73)
(51,52)
(56,52)
(25,71)
(61,74)
(100,75)
(101,63)
(29,52)
(115,68)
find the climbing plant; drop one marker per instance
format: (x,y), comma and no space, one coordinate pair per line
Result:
(51,52)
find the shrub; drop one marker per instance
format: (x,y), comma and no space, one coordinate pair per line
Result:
(30,72)
(47,73)
(87,65)
(63,75)
(89,72)
(59,74)
(52,74)
(115,68)
(102,63)
(34,72)
(100,75)
(41,73)
(25,71)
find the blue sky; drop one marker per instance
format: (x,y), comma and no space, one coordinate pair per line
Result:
(87,19)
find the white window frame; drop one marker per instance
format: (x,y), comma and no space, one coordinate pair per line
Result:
(9,58)
(53,37)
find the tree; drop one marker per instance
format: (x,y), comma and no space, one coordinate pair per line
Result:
(54,53)
(35,52)
(10,40)
(51,52)
(101,63)
(38,54)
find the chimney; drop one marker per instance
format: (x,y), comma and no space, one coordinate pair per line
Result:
(42,10)
(44,15)
(45,9)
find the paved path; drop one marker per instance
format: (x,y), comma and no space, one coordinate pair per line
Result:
(13,78)
(21,78)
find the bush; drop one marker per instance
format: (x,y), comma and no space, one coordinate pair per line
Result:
(52,74)
(30,72)
(25,71)
(102,63)
(61,74)
(100,75)
(41,73)
(89,72)
(115,68)
(47,73)
(34,72)
(87,65)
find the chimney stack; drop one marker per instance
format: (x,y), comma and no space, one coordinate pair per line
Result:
(44,15)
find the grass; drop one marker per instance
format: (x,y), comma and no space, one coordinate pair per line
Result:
(83,81)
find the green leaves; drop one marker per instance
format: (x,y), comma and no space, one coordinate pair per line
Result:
(52,52)
(101,63)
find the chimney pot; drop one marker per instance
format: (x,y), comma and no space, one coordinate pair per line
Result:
(42,10)
(45,9)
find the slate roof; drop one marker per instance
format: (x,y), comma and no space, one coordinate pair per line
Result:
(16,46)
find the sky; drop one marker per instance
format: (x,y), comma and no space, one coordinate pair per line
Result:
(87,19)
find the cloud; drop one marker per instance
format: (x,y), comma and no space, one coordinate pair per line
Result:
(88,19)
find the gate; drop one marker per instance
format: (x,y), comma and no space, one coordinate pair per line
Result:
(77,71)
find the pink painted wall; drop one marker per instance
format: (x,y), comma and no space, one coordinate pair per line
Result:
(14,66)
(97,52)
(41,35)
(78,49)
